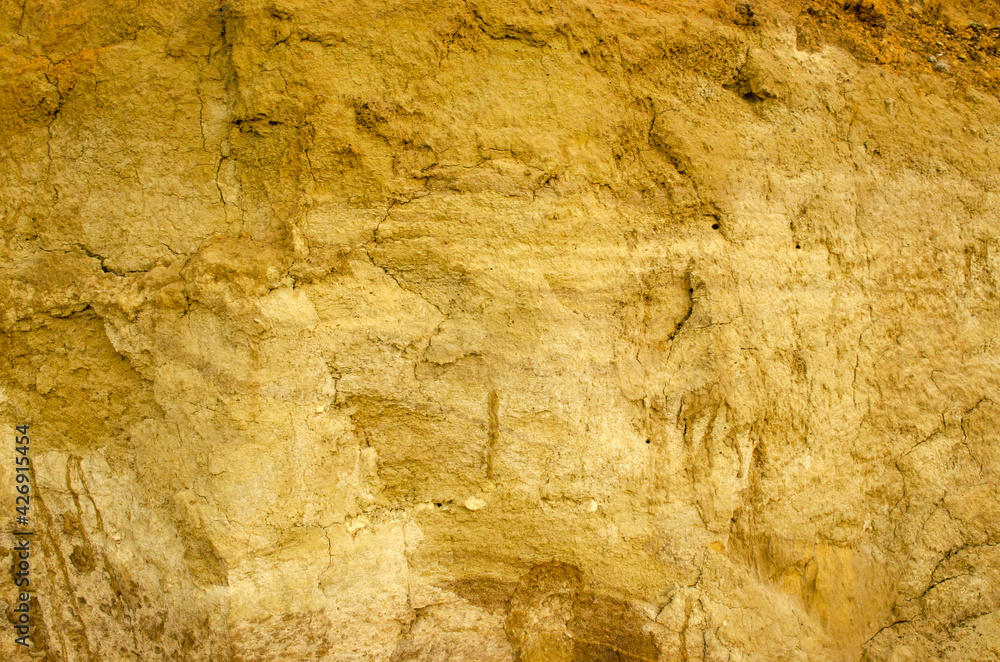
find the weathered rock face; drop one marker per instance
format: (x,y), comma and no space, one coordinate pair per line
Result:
(496,330)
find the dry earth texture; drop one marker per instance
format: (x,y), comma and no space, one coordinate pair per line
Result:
(503,330)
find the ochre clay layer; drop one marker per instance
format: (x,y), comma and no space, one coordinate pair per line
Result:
(503,330)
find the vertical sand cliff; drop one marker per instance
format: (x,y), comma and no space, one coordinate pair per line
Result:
(503,330)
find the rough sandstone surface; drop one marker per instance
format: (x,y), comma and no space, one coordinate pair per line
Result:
(498,330)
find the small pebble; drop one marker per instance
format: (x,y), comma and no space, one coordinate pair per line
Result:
(473,503)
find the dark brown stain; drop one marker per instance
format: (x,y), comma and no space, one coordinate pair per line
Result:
(486,593)
(607,629)
(82,558)
(553,616)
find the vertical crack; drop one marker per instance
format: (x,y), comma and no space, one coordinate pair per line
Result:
(493,408)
